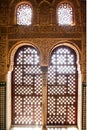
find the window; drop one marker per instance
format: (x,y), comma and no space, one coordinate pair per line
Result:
(44,96)
(65,14)
(26,88)
(24,14)
(62,87)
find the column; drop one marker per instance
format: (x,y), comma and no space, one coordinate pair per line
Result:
(38,16)
(51,13)
(44,98)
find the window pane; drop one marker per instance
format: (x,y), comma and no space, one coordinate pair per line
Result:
(62,88)
(24,14)
(64,13)
(27,88)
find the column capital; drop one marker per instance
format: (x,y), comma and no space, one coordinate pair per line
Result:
(44,69)
(44,128)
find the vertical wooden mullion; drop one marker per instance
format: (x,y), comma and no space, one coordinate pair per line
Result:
(3,105)
(44,97)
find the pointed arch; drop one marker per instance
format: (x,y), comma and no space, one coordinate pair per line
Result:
(44,1)
(44,7)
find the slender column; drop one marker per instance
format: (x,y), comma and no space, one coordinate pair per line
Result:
(38,16)
(8,101)
(51,12)
(8,98)
(44,105)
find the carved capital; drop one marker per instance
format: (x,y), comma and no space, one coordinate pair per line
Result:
(44,69)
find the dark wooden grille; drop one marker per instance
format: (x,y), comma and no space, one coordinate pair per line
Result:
(62,87)
(27,88)
(84,105)
(2,105)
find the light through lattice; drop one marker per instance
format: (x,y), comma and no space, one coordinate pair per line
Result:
(62,87)
(24,14)
(27,88)
(65,14)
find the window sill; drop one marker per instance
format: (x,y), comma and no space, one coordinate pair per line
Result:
(22,127)
(40,128)
(62,128)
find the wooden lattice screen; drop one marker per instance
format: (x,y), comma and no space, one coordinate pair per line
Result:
(26,88)
(84,106)
(62,87)
(2,105)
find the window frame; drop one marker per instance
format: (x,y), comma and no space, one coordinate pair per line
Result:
(22,95)
(73,14)
(10,62)
(15,12)
(72,52)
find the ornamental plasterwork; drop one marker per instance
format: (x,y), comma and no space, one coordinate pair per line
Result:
(44,29)
(44,45)
(42,35)
(2,60)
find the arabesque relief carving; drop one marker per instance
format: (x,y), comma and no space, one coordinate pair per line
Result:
(44,29)
(44,45)
(2,60)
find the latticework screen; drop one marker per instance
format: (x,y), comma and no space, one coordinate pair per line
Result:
(2,106)
(62,88)
(27,88)
(24,14)
(65,14)
(84,106)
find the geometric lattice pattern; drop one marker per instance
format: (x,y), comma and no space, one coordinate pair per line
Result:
(65,14)
(24,14)
(27,88)
(2,106)
(62,88)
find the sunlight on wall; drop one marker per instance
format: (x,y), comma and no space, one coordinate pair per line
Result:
(26,128)
(72,128)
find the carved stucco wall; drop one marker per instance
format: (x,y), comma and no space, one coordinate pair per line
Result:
(44,33)
(3,55)
(45,46)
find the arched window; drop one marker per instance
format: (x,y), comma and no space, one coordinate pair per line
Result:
(26,87)
(65,14)
(24,14)
(44,96)
(62,91)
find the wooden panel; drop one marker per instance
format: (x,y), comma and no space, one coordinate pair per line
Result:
(62,88)
(27,88)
